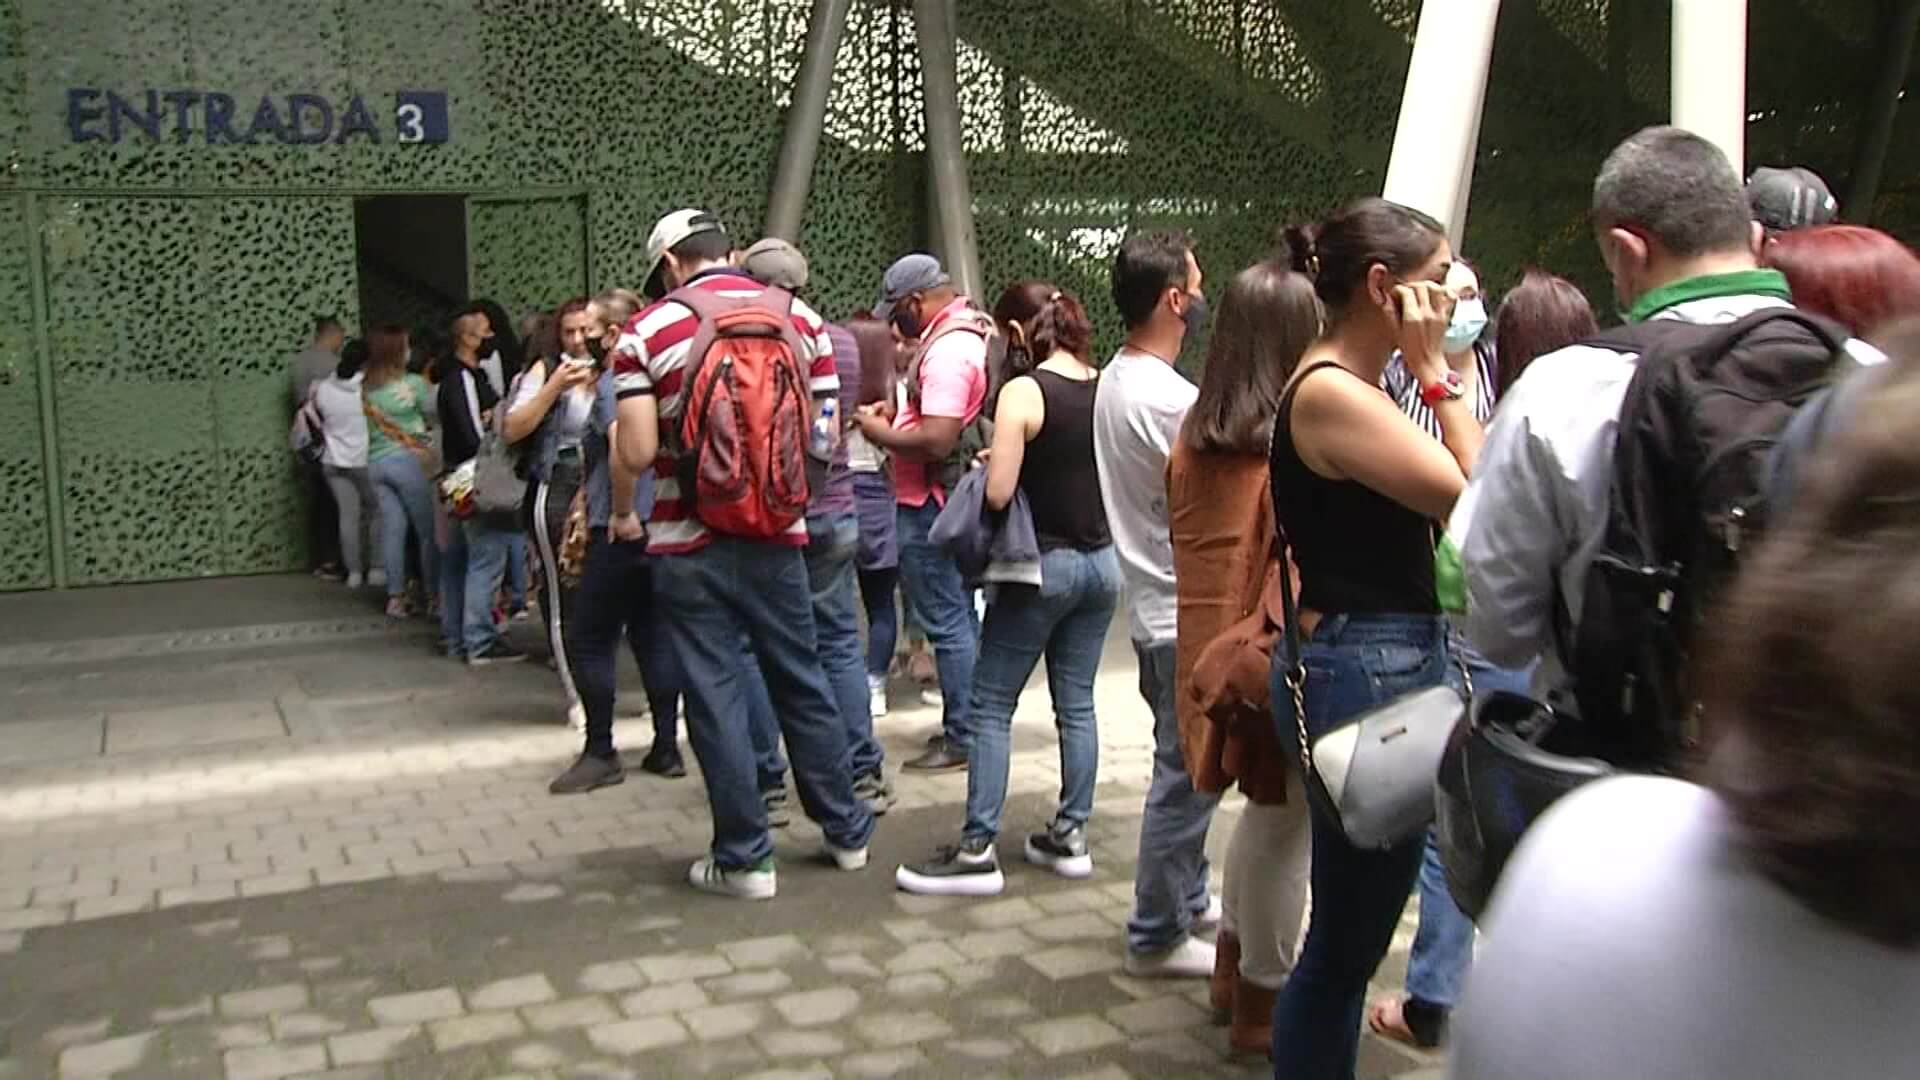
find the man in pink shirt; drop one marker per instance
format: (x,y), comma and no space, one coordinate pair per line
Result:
(945,390)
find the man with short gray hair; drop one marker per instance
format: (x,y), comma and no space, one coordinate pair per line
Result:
(1677,235)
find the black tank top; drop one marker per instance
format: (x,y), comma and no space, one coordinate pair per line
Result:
(1357,550)
(1058,474)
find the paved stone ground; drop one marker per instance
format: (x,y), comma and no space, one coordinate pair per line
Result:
(313,848)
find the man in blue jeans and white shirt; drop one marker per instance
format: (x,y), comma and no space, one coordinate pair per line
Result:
(720,588)
(1137,414)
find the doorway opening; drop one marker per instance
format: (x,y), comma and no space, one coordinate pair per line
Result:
(411,253)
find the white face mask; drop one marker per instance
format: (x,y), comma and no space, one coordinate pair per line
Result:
(1469,321)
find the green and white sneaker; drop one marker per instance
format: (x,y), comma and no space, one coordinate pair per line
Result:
(755,882)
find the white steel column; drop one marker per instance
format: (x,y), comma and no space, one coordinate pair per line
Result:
(1432,161)
(1710,74)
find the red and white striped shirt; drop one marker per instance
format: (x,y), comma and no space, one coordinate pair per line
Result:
(651,358)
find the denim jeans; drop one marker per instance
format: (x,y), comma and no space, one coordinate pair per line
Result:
(1353,663)
(1065,620)
(728,590)
(406,500)
(945,608)
(883,618)
(832,539)
(470,570)
(1443,945)
(616,596)
(1170,881)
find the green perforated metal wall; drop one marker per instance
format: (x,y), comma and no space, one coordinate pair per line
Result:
(175,276)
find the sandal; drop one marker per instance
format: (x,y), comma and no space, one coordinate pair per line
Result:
(1387,1017)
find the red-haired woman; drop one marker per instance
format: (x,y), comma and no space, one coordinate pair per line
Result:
(1042,448)
(1859,277)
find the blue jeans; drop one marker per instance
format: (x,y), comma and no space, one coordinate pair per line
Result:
(616,597)
(733,589)
(1353,663)
(1170,881)
(832,540)
(1064,620)
(945,608)
(883,618)
(470,571)
(406,500)
(1443,946)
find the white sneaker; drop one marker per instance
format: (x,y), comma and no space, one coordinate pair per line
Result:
(848,859)
(1191,959)
(376,579)
(355,580)
(931,698)
(752,883)
(577,717)
(1210,918)
(876,697)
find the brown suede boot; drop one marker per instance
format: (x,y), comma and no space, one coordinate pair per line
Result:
(1226,972)
(1252,1030)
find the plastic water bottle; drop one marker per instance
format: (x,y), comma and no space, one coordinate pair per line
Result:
(825,435)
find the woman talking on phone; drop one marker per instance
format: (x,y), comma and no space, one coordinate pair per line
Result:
(1356,486)
(548,419)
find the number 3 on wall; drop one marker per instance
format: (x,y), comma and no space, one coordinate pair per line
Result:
(420,117)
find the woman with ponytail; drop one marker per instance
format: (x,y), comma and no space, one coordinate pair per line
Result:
(1356,487)
(1042,447)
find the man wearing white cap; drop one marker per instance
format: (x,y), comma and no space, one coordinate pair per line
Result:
(723,587)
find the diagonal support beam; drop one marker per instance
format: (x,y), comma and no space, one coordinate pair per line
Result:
(1710,74)
(1431,167)
(806,118)
(933,24)
(1876,123)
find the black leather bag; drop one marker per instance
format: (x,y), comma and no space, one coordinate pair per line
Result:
(1507,761)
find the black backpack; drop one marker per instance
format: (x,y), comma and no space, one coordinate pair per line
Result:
(1689,491)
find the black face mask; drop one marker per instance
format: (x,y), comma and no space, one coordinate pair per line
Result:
(906,321)
(597,349)
(489,345)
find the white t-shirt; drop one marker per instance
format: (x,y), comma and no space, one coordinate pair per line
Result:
(344,420)
(1137,413)
(1629,938)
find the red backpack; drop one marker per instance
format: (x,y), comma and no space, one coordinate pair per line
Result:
(743,426)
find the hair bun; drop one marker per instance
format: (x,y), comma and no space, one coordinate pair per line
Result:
(1297,248)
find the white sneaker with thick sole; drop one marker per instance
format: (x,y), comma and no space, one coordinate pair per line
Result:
(577,717)
(752,883)
(876,698)
(354,580)
(931,698)
(376,579)
(848,859)
(1191,959)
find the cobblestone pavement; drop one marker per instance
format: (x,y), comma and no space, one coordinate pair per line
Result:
(335,855)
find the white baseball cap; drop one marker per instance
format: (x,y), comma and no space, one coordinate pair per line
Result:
(667,234)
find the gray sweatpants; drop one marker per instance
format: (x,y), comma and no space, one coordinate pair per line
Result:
(358,508)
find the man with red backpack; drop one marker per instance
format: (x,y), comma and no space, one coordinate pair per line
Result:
(718,382)
(933,434)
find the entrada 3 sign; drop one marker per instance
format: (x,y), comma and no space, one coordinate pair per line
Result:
(419,116)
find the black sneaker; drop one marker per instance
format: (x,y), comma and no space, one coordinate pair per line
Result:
(968,868)
(941,757)
(1061,849)
(497,653)
(874,790)
(587,773)
(779,815)
(664,761)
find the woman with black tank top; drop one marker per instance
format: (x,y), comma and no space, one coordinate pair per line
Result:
(1042,447)
(1356,486)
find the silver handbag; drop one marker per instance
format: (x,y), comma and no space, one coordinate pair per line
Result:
(1373,774)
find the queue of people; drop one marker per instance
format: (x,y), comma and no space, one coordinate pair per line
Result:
(1386,480)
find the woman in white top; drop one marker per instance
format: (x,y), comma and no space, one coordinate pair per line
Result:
(1765,925)
(343,420)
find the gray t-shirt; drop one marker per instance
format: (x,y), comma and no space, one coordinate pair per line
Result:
(1137,413)
(1630,939)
